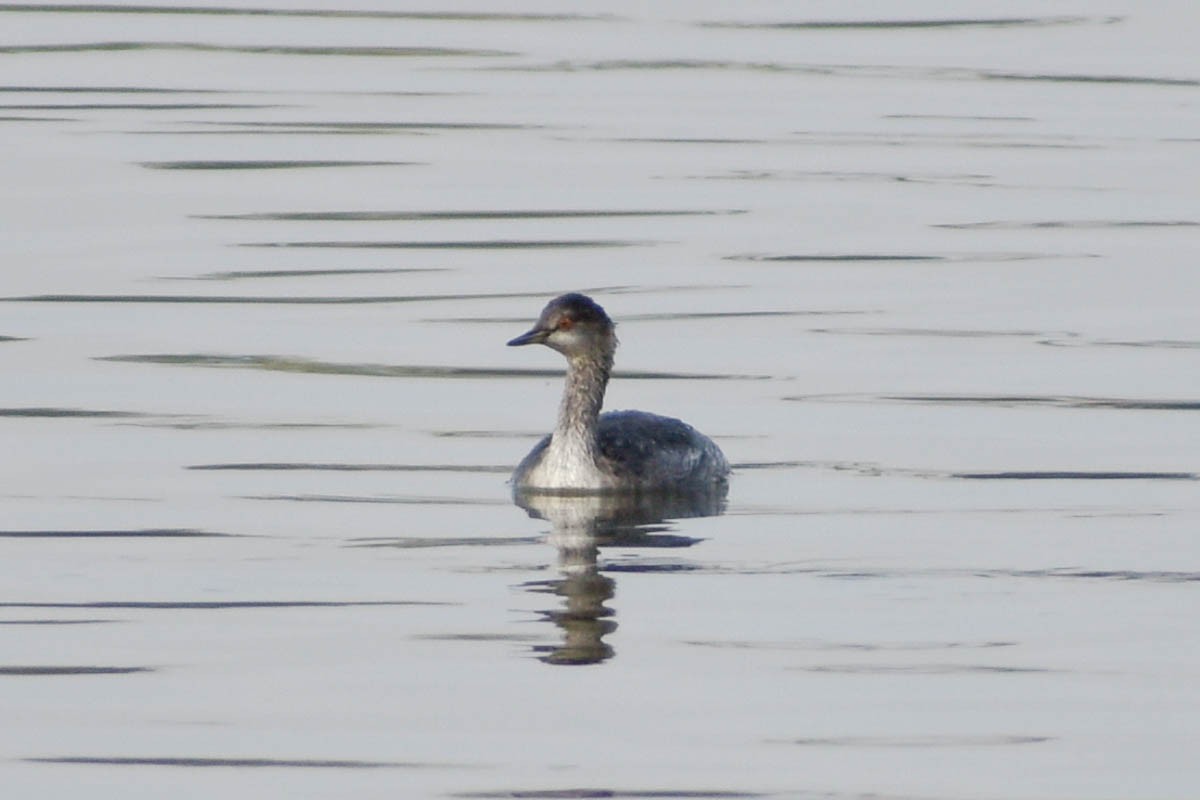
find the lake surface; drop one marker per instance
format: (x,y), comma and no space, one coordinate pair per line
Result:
(926,272)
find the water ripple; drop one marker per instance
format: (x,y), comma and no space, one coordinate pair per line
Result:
(1076,475)
(1013,401)
(918,24)
(334,467)
(65,413)
(222,605)
(428,216)
(459,244)
(262,49)
(35,671)
(240,763)
(844,176)
(67,89)
(235,275)
(261,164)
(608,794)
(1059,573)
(261,299)
(1116,80)
(867,647)
(1078,224)
(900,257)
(371,126)
(946,333)
(384,499)
(150,533)
(330,13)
(995,740)
(423,543)
(922,669)
(135,106)
(55,621)
(859,71)
(1165,344)
(312,366)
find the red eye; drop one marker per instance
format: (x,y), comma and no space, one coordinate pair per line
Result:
(566,323)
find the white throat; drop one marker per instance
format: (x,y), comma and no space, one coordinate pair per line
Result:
(572,460)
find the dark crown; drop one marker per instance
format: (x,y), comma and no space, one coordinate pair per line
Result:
(578,307)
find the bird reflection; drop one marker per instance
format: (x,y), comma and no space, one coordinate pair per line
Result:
(580,526)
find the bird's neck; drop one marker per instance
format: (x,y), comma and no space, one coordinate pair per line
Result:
(583,396)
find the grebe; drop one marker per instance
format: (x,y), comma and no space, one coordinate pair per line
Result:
(620,451)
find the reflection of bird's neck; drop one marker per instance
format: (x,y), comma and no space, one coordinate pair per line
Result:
(579,412)
(577,548)
(584,619)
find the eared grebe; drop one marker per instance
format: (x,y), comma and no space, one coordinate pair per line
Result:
(621,451)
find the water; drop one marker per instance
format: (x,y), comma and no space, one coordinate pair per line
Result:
(926,275)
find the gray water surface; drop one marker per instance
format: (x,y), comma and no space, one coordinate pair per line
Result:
(925,272)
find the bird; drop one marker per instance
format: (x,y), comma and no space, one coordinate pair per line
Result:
(617,451)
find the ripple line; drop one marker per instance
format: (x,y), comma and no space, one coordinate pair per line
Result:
(194,761)
(34,671)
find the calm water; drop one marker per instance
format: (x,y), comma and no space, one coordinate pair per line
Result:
(927,273)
